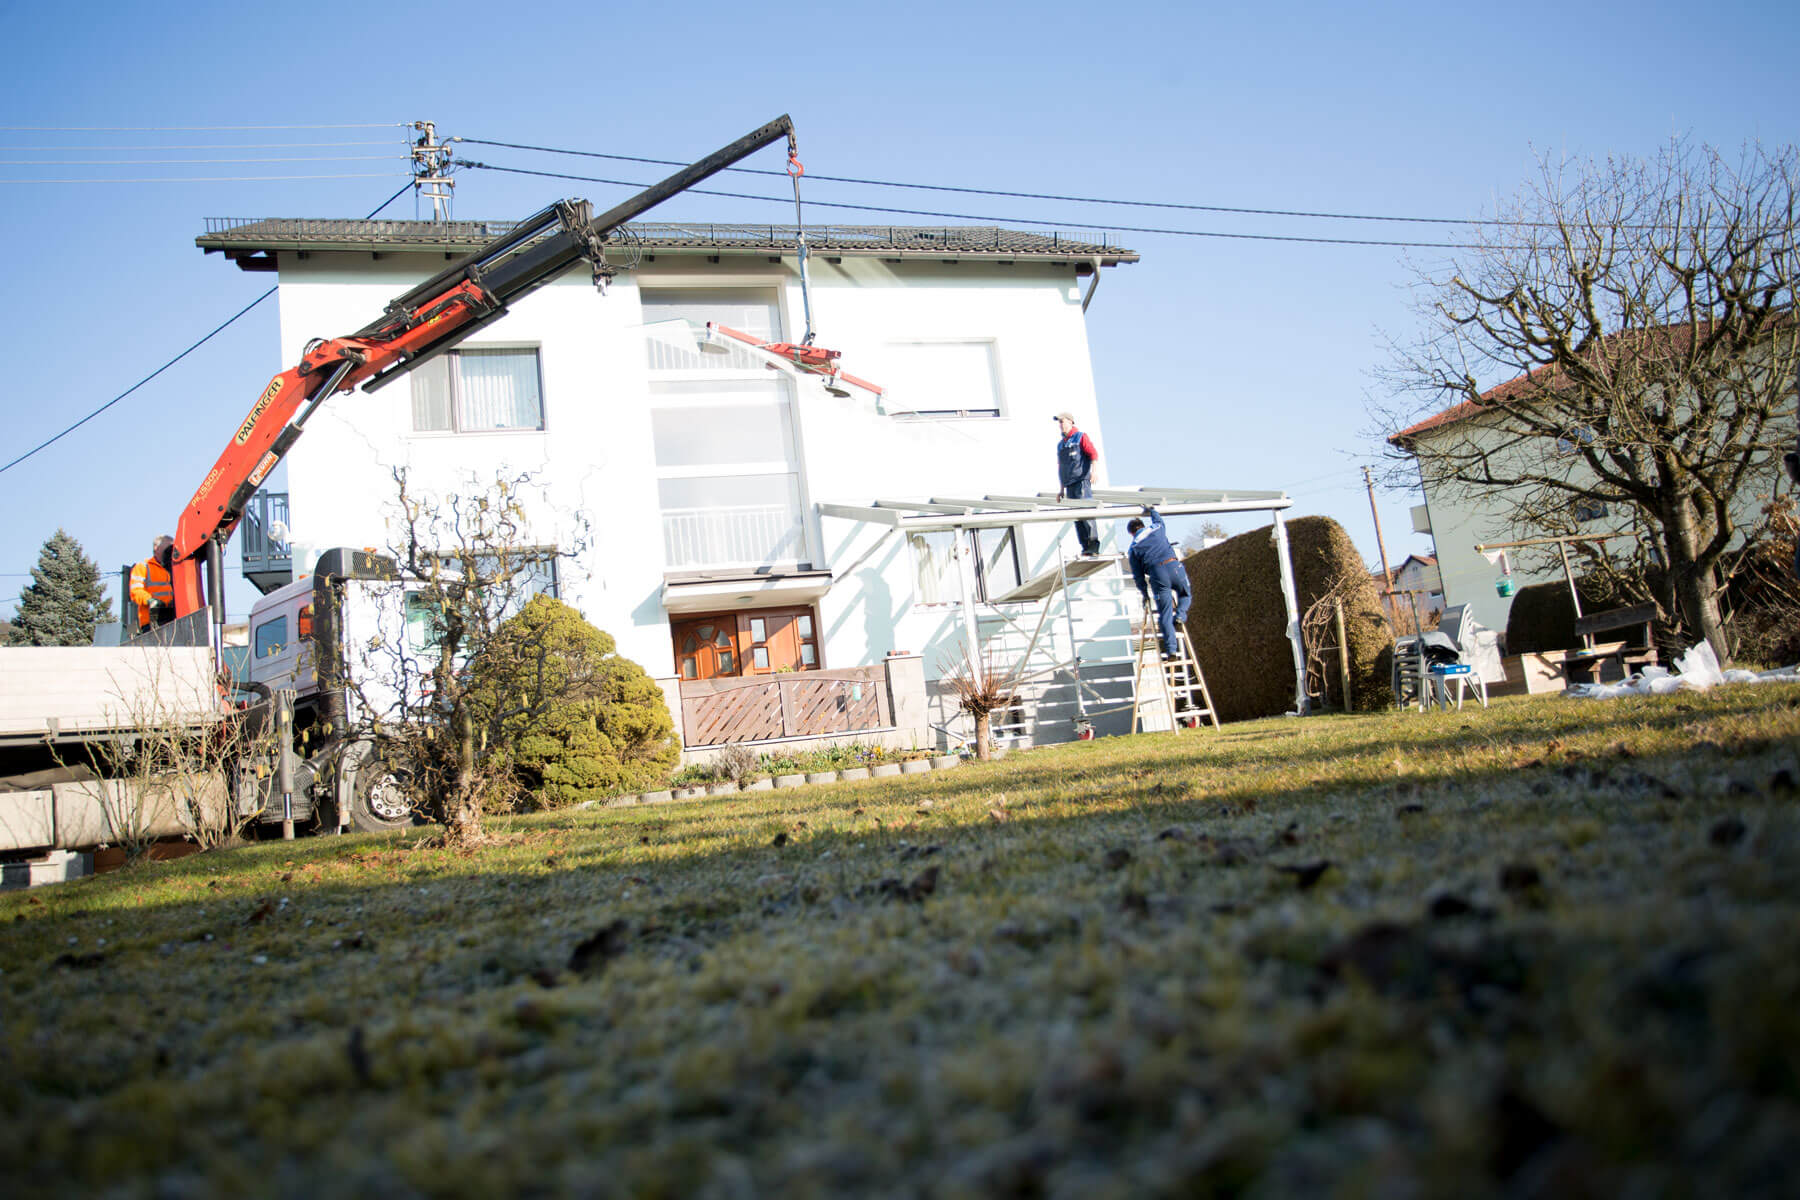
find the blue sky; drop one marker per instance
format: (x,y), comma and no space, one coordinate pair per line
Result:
(1220,363)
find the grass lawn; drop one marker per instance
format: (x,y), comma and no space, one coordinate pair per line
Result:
(1549,948)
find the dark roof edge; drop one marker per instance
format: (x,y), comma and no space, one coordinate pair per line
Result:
(248,241)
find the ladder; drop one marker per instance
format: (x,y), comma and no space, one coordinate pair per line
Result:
(1176,696)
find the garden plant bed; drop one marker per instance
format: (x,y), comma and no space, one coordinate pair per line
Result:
(1545,948)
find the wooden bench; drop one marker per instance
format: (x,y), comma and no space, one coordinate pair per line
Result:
(1630,657)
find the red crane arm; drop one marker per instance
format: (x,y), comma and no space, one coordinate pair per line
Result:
(329,367)
(426,321)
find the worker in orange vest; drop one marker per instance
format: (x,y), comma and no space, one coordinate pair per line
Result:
(152,589)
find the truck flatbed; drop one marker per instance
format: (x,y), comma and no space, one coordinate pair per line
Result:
(60,694)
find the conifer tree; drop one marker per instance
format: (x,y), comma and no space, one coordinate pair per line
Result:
(64,600)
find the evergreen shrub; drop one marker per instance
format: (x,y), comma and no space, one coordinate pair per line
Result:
(579,721)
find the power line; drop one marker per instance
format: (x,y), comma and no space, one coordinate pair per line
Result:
(936,187)
(956,216)
(152,375)
(140,383)
(208,146)
(164,162)
(187,128)
(210,178)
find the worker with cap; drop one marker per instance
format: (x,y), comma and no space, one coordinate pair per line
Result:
(152,588)
(1075,455)
(1155,567)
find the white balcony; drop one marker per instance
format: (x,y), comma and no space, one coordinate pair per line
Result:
(744,536)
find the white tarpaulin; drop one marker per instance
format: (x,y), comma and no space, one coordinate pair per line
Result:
(1696,671)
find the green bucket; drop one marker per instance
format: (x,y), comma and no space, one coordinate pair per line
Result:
(1505,586)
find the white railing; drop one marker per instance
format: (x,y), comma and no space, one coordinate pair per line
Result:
(748,536)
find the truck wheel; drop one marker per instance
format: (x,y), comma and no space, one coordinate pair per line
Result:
(378,796)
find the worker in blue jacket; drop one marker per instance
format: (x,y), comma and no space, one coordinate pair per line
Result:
(1156,567)
(1075,455)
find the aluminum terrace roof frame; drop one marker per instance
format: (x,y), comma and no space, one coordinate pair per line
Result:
(1108,504)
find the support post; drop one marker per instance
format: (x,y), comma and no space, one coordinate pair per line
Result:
(1337,607)
(964,555)
(1292,602)
(1068,603)
(284,758)
(1562,548)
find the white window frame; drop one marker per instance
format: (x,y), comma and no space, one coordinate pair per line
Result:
(996,375)
(967,542)
(453,358)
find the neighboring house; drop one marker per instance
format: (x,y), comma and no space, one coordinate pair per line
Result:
(1418,577)
(701,475)
(1460,516)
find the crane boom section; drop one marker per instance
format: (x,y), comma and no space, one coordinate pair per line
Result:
(427,320)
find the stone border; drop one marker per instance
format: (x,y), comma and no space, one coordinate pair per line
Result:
(911,766)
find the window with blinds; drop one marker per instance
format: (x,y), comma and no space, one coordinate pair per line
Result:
(478,391)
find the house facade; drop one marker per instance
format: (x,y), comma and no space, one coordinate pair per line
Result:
(675,493)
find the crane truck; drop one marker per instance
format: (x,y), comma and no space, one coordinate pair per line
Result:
(59,705)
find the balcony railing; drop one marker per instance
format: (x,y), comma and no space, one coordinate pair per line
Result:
(268,560)
(747,536)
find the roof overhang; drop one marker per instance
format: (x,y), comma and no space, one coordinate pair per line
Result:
(1107,504)
(715,593)
(255,244)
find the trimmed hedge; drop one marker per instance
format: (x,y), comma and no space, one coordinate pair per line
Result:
(1238,622)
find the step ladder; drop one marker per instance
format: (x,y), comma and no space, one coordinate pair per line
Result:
(1171,692)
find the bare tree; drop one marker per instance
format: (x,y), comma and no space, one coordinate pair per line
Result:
(172,773)
(1321,629)
(1209,533)
(467,563)
(1640,316)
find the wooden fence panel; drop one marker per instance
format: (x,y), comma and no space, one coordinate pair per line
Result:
(806,704)
(740,714)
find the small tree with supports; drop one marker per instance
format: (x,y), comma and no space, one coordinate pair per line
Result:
(980,690)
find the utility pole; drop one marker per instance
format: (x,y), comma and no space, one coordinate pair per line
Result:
(431,169)
(1387,576)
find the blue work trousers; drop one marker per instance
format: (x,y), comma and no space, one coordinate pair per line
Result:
(1085,533)
(1169,584)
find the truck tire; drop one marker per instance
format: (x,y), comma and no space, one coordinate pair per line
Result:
(377,796)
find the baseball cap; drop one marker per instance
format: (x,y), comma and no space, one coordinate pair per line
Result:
(1066,416)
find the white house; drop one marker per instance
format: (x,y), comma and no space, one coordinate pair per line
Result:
(705,479)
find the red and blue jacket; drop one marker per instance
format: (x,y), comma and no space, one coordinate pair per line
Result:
(1075,456)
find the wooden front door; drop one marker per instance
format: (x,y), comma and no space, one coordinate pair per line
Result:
(758,641)
(707,648)
(779,639)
